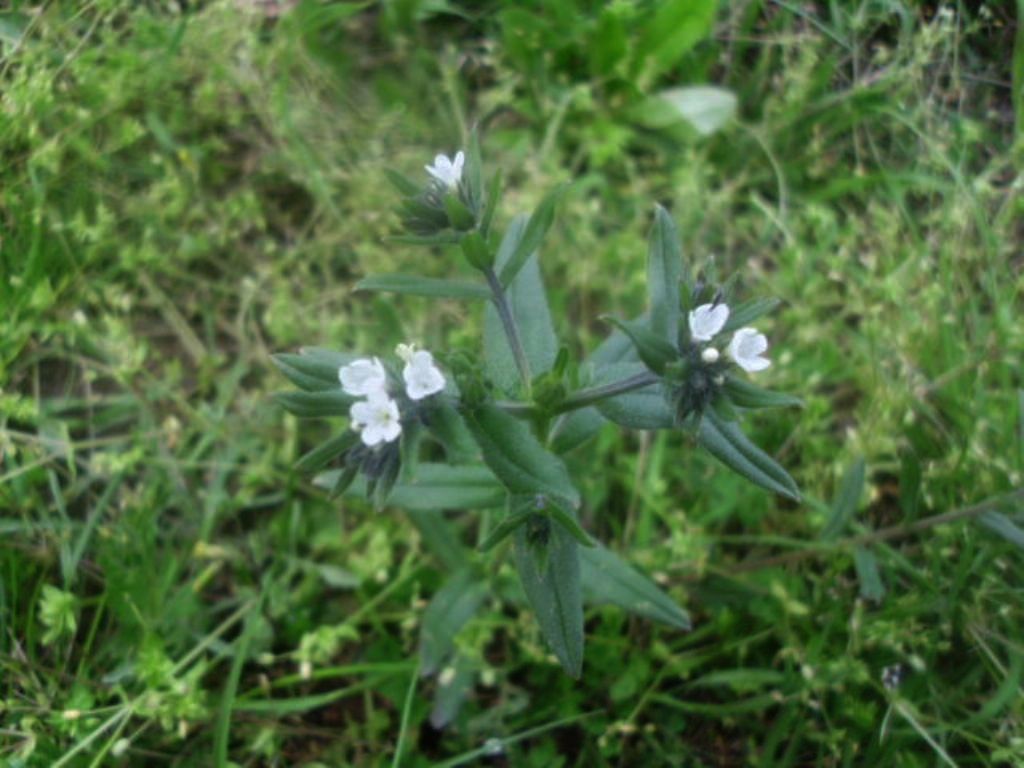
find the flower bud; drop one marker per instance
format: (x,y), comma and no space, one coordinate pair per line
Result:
(709,355)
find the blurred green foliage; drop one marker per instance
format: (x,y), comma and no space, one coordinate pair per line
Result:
(183,192)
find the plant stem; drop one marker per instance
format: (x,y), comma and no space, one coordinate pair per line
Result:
(899,531)
(584,397)
(516,408)
(508,322)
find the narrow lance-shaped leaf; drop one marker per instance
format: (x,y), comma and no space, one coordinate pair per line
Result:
(554,591)
(436,487)
(527,299)
(415,285)
(844,506)
(402,183)
(452,689)
(440,537)
(609,579)
(728,444)
(517,458)
(866,564)
(536,228)
(448,611)
(491,203)
(653,349)
(313,369)
(473,174)
(640,409)
(315,404)
(1004,526)
(746,395)
(515,515)
(565,516)
(326,451)
(748,312)
(664,274)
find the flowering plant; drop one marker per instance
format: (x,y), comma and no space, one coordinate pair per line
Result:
(503,425)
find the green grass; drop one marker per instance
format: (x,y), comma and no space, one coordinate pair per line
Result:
(182,194)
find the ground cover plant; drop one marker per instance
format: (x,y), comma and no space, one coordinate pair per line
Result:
(187,191)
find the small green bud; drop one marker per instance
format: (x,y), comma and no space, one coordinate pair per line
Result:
(459,216)
(475,249)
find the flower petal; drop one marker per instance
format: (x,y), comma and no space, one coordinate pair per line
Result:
(707,320)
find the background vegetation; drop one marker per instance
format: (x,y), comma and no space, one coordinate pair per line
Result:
(188,187)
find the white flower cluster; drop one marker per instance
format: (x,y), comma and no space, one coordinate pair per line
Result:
(377,417)
(747,346)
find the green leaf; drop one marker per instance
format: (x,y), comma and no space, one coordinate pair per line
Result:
(745,314)
(609,579)
(554,592)
(402,183)
(341,479)
(746,395)
(460,217)
(640,409)
(910,483)
(514,517)
(706,108)
(311,405)
(326,451)
(664,275)
(653,350)
(12,27)
(436,487)
(575,429)
(473,174)
(616,348)
(379,489)
(670,33)
(845,504)
(452,688)
(728,444)
(446,425)
(537,227)
(440,537)
(518,459)
(1004,526)
(871,586)
(528,301)
(449,610)
(565,516)
(414,285)
(491,204)
(313,369)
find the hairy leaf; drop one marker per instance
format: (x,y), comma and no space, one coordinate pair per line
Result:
(518,459)
(536,228)
(528,301)
(664,274)
(448,611)
(725,441)
(553,590)
(609,579)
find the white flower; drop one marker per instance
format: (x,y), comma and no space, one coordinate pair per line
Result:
(422,377)
(376,418)
(746,348)
(448,172)
(707,320)
(363,377)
